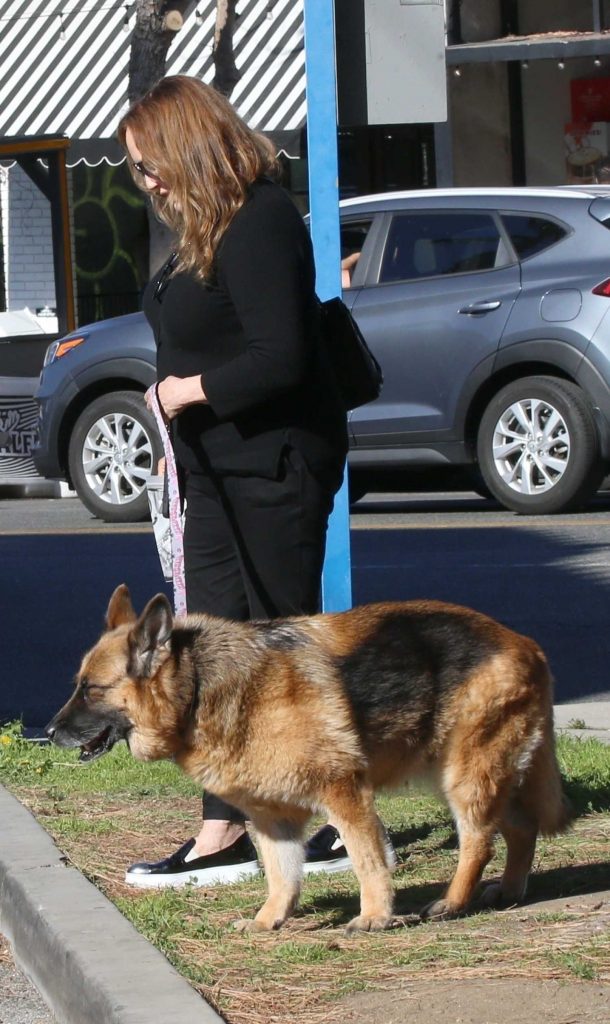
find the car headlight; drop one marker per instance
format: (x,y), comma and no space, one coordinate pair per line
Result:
(57,349)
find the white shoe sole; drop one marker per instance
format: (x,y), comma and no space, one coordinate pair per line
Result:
(327,867)
(224,874)
(331,867)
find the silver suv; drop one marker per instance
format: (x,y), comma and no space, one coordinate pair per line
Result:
(489,311)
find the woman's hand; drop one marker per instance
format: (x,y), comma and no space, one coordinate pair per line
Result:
(176,393)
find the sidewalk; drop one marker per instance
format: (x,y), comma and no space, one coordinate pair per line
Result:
(593,715)
(92,967)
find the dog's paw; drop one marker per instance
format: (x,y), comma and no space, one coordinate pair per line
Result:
(490,897)
(493,898)
(254,924)
(372,924)
(250,924)
(439,910)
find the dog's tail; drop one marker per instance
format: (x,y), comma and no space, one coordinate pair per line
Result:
(543,787)
(546,795)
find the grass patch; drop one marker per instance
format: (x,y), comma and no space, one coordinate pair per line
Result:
(585,766)
(137,811)
(586,963)
(23,762)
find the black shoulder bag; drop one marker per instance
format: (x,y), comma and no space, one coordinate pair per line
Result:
(357,372)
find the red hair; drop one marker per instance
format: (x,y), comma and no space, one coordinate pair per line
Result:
(205,155)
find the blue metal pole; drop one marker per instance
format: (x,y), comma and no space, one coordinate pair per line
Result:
(324,210)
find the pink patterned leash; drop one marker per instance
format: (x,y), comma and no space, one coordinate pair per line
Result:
(175,509)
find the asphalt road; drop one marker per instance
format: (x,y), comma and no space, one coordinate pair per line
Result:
(547,577)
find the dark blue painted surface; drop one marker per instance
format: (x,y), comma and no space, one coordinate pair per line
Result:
(54,594)
(55,591)
(543,584)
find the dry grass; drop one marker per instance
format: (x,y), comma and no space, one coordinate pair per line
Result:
(302,971)
(126,813)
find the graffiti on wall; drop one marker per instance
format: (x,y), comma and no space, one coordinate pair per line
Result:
(18,432)
(110,241)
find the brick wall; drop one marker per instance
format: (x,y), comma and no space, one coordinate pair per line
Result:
(28,248)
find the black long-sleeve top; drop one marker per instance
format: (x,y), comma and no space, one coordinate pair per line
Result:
(252,333)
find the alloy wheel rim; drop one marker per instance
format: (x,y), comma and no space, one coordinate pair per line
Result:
(531,446)
(117,458)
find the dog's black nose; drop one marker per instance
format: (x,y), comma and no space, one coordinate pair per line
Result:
(50,731)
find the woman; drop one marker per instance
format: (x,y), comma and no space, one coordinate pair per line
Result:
(258,429)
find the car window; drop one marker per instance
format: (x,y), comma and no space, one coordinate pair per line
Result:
(530,235)
(353,237)
(432,244)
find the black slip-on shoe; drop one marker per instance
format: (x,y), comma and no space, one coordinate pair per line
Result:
(232,864)
(325,852)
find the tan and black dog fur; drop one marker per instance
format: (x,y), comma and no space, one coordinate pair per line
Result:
(292,716)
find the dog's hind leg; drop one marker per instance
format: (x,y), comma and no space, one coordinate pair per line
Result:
(520,831)
(476,850)
(352,810)
(475,801)
(281,843)
(536,806)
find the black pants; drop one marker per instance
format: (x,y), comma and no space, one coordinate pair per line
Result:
(254,548)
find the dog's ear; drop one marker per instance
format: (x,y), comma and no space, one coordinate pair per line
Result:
(151,632)
(120,609)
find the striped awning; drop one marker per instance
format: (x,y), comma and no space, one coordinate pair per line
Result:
(63,63)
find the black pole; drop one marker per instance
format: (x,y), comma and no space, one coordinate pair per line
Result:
(515,119)
(454,22)
(62,250)
(509,15)
(443,154)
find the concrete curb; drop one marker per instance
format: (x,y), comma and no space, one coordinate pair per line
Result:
(89,963)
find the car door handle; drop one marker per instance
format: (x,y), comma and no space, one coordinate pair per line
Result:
(481,307)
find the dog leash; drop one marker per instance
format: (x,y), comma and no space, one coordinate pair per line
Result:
(175,504)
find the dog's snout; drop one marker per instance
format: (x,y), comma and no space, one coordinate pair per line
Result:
(50,731)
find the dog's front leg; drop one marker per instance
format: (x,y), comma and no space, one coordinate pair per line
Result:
(352,811)
(281,843)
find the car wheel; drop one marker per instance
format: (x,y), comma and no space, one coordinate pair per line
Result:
(113,451)
(538,446)
(357,486)
(476,482)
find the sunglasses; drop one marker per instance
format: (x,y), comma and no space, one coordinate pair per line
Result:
(163,279)
(141,169)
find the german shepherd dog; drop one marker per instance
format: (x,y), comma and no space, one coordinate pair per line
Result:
(288,717)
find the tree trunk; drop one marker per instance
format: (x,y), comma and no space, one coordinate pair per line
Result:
(147,63)
(149,45)
(227,75)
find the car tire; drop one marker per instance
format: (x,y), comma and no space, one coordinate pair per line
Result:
(114,449)
(357,486)
(477,483)
(538,446)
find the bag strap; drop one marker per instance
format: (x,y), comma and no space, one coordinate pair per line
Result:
(175,504)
